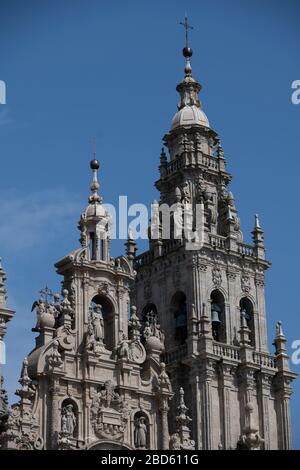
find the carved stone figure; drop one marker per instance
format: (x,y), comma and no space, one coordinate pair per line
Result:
(140,433)
(98,323)
(90,338)
(68,420)
(108,394)
(186,195)
(123,349)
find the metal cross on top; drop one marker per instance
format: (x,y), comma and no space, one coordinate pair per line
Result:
(186,26)
(46,294)
(93,142)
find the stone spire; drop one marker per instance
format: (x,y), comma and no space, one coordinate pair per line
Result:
(189,107)
(258,238)
(6,315)
(282,359)
(182,438)
(95,222)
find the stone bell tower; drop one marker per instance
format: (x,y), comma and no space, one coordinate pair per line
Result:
(209,296)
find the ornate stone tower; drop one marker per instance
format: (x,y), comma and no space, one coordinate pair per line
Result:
(94,379)
(6,314)
(209,298)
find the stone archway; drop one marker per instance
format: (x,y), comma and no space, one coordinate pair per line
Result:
(108,445)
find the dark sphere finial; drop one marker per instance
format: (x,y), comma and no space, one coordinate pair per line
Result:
(94,164)
(187,52)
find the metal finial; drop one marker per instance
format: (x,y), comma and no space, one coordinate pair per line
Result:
(186,26)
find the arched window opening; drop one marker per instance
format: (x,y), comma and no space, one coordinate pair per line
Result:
(102,249)
(92,246)
(218,321)
(104,318)
(69,418)
(141,431)
(149,312)
(246,309)
(179,309)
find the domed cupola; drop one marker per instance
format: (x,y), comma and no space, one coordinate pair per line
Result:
(189,111)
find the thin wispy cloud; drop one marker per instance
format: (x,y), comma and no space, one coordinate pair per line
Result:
(28,219)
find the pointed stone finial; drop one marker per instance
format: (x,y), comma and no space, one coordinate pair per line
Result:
(182,438)
(134,325)
(279,330)
(258,238)
(130,246)
(244,330)
(66,309)
(220,151)
(163,156)
(27,391)
(205,324)
(229,214)
(280,345)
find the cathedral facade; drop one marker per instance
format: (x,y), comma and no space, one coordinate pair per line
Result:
(167,349)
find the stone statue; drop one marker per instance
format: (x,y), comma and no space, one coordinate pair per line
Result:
(186,196)
(90,338)
(163,377)
(108,394)
(140,433)
(40,308)
(175,443)
(98,323)
(68,420)
(123,349)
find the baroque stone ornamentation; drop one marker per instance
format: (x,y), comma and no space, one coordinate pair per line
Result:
(109,413)
(251,439)
(216,276)
(181,439)
(245,282)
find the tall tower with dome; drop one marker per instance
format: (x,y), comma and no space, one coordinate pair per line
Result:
(210,298)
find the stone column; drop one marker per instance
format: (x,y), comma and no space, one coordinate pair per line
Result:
(205,379)
(197,418)
(164,408)
(264,381)
(226,371)
(284,392)
(285,422)
(55,413)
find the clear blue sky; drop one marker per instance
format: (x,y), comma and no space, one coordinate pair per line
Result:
(77,69)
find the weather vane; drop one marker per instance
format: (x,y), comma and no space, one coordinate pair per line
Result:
(186,26)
